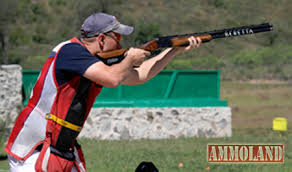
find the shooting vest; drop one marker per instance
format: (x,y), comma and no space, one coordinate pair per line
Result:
(55,113)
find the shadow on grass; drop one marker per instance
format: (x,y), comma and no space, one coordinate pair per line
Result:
(3,157)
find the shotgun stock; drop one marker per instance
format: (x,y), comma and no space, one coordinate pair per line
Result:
(116,56)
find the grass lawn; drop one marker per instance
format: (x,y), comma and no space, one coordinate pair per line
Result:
(255,105)
(120,156)
(253,108)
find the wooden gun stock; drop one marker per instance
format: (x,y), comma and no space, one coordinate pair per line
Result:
(152,45)
(111,54)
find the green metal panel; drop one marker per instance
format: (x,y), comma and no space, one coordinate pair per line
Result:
(170,88)
(152,89)
(188,102)
(196,84)
(171,84)
(29,78)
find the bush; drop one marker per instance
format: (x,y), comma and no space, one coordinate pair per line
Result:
(38,38)
(217,3)
(146,32)
(17,37)
(286,72)
(276,55)
(180,64)
(247,58)
(209,62)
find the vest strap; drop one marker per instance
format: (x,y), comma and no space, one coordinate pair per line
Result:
(63,122)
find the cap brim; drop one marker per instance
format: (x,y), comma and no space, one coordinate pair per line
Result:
(124,29)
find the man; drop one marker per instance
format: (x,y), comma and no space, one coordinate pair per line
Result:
(45,132)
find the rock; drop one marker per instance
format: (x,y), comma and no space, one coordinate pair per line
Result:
(10,96)
(150,116)
(174,112)
(223,123)
(201,133)
(105,125)
(125,134)
(159,123)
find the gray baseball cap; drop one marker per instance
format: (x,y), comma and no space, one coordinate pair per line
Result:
(102,23)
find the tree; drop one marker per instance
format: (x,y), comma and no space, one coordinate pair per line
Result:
(7,14)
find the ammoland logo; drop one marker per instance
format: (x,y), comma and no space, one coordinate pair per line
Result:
(245,153)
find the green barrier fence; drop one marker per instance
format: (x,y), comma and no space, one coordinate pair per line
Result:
(170,88)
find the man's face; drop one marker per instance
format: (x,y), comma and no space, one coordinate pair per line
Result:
(112,41)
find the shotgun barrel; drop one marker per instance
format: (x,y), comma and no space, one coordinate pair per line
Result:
(116,56)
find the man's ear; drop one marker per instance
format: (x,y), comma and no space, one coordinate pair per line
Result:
(101,37)
(100,40)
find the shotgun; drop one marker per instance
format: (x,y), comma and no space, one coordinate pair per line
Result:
(115,56)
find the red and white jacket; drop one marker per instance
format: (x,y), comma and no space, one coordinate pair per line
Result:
(71,102)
